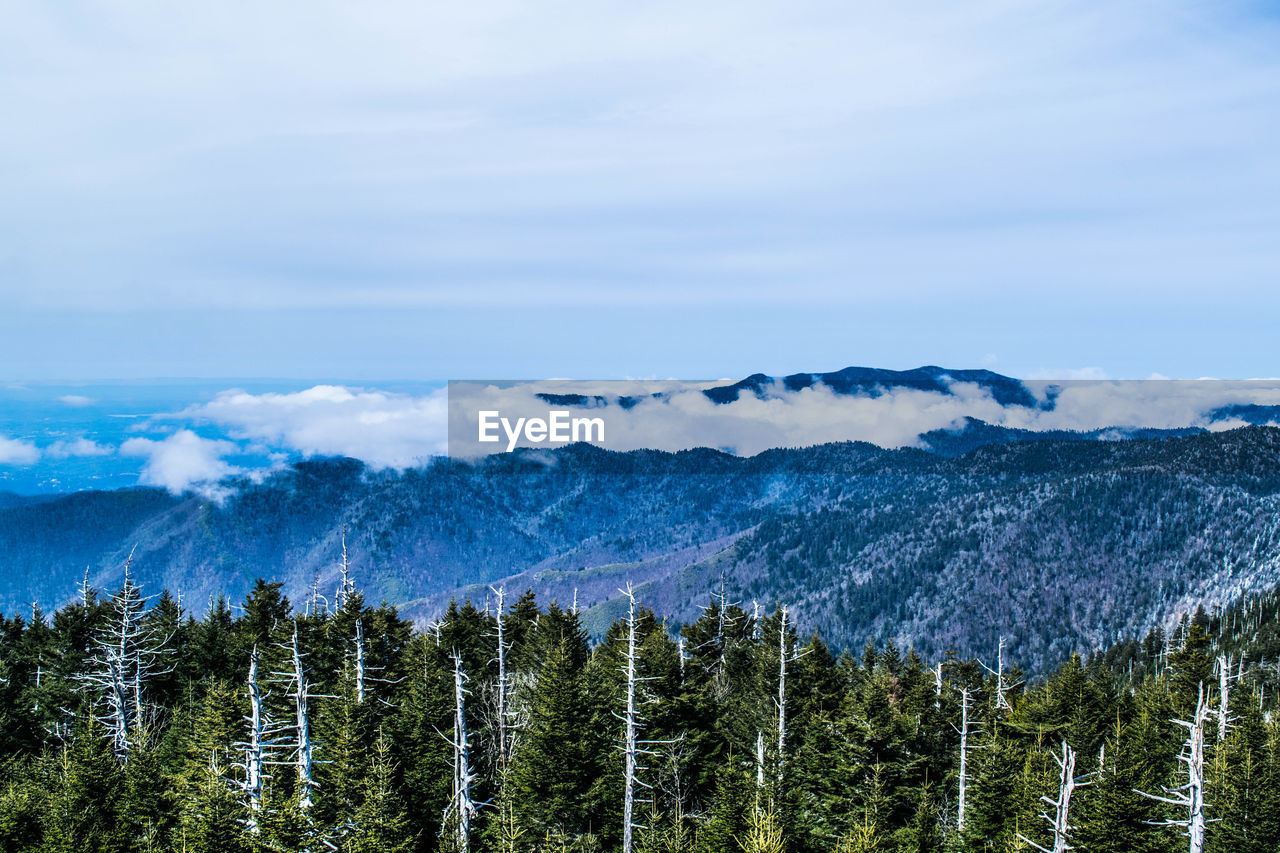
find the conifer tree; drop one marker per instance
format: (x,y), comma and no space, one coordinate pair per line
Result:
(381,824)
(84,816)
(559,756)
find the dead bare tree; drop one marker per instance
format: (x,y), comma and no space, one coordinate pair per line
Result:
(720,601)
(634,748)
(259,750)
(759,765)
(359,661)
(126,654)
(255,750)
(461,809)
(346,586)
(503,686)
(317,604)
(1002,687)
(1060,821)
(1224,693)
(784,657)
(1190,796)
(296,686)
(965,731)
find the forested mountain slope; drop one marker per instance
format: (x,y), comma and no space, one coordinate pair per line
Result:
(1056,545)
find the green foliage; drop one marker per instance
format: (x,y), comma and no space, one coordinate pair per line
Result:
(870,763)
(381,824)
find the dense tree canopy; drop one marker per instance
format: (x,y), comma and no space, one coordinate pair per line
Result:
(335,726)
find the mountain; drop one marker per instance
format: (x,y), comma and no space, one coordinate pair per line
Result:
(873,381)
(975,433)
(1057,545)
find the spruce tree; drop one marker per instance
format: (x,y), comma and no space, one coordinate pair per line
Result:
(381,824)
(83,815)
(560,756)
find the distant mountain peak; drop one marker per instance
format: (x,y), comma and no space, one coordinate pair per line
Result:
(875,381)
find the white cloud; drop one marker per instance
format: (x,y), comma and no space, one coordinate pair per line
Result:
(184,461)
(77,400)
(15,451)
(684,418)
(381,428)
(78,447)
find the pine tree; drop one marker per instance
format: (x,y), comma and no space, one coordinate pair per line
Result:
(83,817)
(24,803)
(424,711)
(213,819)
(560,755)
(1243,790)
(146,808)
(730,812)
(763,834)
(381,824)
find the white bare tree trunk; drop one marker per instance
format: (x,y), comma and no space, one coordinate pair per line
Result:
(359,641)
(759,764)
(782,690)
(125,654)
(1191,795)
(1195,785)
(634,747)
(966,701)
(1002,687)
(303,757)
(254,758)
(461,809)
(1224,695)
(346,586)
(1060,821)
(504,737)
(629,720)
(721,623)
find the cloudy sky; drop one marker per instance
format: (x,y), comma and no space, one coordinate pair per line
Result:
(427,190)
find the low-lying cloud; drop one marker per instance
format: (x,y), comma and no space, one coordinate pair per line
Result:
(15,451)
(382,429)
(80,447)
(679,416)
(184,462)
(239,433)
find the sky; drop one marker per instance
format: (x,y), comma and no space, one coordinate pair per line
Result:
(425,191)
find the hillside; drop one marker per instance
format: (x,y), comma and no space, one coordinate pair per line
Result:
(1056,544)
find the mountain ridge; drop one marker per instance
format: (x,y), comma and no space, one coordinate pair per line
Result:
(864,543)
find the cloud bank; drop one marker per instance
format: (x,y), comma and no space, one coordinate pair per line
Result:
(382,429)
(678,416)
(242,433)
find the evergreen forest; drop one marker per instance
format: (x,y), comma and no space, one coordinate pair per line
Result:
(129,724)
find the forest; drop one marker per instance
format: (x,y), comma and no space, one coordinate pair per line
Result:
(129,724)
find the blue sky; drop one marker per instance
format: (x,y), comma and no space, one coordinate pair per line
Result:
(408,190)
